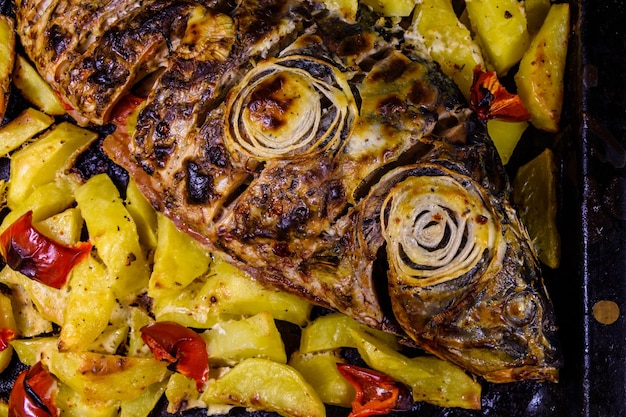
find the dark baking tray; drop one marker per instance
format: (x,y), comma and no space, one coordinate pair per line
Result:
(592,220)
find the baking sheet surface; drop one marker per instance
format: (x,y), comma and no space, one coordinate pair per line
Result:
(593,225)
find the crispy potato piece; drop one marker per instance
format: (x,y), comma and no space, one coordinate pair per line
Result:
(71,404)
(144,215)
(24,127)
(42,161)
(114,235)
(231,341)
(500,25)
(181,394)
(505,136)
(144,403)
(431,379)
(89,305)
(228,293)
(539,79)
(32,350)
(333,331)
(30,322)
(535,194)
(447,41)
(391,7)
(175,251)
(48,301)
(45,201)
(110,340)
(137,319)
(64,227)
(320,370)
(7,60)
(266,385)
(34,88)
(104,379)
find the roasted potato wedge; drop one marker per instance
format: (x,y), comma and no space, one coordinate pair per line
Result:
(391,7)
(500,25)
(431,379)
(320,370)
(539,79)
(24,127)
(448,41)
(41,162)
(261,383)
(232,341)
(114,235)
(34,88)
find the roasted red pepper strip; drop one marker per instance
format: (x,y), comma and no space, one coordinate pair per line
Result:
(376,393)
(66,106)
(490,99)
(174,343)
(124,109)
(33,394)
(37,256)
(6,335)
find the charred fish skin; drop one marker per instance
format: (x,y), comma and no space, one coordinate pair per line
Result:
(312,153)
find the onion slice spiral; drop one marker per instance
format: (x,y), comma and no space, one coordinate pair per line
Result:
(290,107)
(436,228)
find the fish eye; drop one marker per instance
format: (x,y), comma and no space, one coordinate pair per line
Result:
(521,308)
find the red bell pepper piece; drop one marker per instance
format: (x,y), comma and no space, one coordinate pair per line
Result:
(33,394)
(176,344)
(37,256)
(376,393)
(491,100)
(123,110)
(6,335)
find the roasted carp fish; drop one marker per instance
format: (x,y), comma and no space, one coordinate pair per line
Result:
(325,156)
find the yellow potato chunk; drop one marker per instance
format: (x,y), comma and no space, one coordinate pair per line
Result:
(333,331)
(144,403)
(114,235)
(266,385)
(103,379)
(500,25)
(431,379)
(89,305)
(505,136)
(144,215)
(32,350)
(534,193)
(320,370)
(179,252)
(448,41)
(231,341)
(539,79)
(181,393)
(391,7)
(34,88)
(24,127)
(40,162)
(226,293)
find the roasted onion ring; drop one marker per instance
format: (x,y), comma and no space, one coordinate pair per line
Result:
(290,107)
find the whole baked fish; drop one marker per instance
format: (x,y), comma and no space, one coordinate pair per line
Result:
(325,157)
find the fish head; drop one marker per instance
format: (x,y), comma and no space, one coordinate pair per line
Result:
(462,282)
